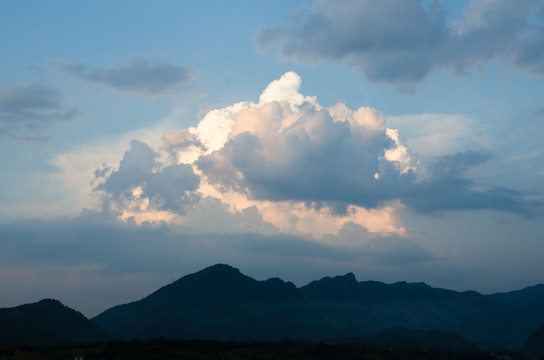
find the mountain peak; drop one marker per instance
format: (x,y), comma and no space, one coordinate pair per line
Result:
(220,269)
(349,278)
(51,303)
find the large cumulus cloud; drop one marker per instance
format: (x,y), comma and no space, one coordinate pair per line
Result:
(337,157)
(401,42)
(286,164)
(278,154)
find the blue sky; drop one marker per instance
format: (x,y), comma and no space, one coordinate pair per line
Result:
(142,141)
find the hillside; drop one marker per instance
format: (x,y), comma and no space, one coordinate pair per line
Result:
(216,303)
(534,346)
(47,322)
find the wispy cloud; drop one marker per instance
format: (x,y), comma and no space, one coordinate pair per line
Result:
(138,76)
(26,109)
(449,189)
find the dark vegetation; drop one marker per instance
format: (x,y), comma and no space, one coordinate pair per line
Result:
(235,316)
(209,349)
(534,346)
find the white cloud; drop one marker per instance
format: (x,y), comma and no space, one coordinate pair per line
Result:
(285,165)
(401,154)
(295,132)
(286,89)
(297,139)
(70,187)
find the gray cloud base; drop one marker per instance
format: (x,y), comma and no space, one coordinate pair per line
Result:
(449,189)
(400,43)
(127,247)
(171,187)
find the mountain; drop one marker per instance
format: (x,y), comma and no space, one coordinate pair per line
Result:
(346,289)
(221,303)
(524,308)
(364,308)
(529,296)
(534,346)
(218,302)
(47,322)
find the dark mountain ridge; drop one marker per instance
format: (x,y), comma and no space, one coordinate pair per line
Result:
(529,296)
(345,289)
(218,302)
(355,308)
(227,284)
(221,303)
(47,322)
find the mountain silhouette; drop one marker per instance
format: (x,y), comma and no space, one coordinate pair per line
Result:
(218,302)
(523,309)
(529,296)
(47,322)
(360,309)
(346,289)
(221,303)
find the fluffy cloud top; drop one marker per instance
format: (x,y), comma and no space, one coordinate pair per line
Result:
(277,154)
(26,109)
(138,76)
(400,43)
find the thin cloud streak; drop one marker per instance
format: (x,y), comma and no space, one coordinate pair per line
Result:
(138,76)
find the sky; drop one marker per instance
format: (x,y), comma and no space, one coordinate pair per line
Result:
(142,141)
